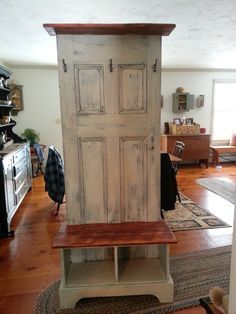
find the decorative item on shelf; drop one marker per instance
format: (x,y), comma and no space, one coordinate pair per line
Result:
(5,141)
(2,80)
(166,127)
(189,121)
(3,138)
(31,136)
(16,97)
(185,129)
(179,90)
(5,102)
(5,119)
(177,121)
(184,121)
(200,101)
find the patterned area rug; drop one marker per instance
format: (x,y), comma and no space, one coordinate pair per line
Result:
(190,216)
(193,275)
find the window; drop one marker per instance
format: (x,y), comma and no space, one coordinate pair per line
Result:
(224,109)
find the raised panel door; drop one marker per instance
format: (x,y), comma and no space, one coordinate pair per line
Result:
(111,127)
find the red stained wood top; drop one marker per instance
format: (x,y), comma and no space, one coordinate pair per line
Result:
(117,234)
(109,29)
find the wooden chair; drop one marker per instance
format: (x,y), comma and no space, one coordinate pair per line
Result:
(177,151)
(37,157)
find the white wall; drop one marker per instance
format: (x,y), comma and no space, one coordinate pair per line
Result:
(41,104)
(232,299)
(2,62)
(196,83)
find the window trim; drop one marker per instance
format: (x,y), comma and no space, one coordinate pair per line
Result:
(218,81)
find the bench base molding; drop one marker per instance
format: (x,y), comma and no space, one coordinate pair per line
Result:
(69,296)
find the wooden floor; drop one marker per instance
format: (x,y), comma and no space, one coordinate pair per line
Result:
(28,264)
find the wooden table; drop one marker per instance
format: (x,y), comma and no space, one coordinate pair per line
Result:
(196,146)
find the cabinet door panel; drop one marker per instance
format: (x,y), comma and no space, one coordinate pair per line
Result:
(133,179)
(9,187)
(93,175)
(89,88)
(132,88)
(20,179)
(19,155)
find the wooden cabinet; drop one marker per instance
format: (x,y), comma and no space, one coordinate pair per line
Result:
(15,181)
(182,102)
(15,162)
(5,105)
(7,136)
(110,104)
(196,146)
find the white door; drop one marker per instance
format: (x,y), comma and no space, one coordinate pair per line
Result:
(110,97)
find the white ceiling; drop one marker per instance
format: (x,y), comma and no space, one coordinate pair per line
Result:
(204,37)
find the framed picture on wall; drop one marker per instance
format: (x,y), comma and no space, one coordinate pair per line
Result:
(200,101)
(189,121)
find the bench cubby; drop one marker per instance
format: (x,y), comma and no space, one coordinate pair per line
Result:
(119,271)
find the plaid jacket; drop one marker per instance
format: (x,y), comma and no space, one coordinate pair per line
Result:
(54,176)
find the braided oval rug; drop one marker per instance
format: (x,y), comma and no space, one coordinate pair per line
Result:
(193,275)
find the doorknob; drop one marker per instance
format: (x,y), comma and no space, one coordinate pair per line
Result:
(151,146)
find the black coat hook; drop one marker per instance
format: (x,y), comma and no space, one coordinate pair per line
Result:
(64,65)
(110,66)
(154,66)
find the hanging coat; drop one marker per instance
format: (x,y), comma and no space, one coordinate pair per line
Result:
(169,189)
(54,176)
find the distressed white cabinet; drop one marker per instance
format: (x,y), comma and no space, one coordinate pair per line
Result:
(15,181)
(110,78)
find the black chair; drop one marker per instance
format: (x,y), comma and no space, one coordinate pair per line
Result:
(38,158)
(177,151)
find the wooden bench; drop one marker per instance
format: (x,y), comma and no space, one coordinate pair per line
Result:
(114,276)
(218,150)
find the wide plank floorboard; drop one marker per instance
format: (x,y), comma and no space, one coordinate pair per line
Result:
(28,264)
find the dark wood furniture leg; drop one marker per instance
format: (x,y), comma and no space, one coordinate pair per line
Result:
(215,156)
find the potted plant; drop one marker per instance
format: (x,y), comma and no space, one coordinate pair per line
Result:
(31,136)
